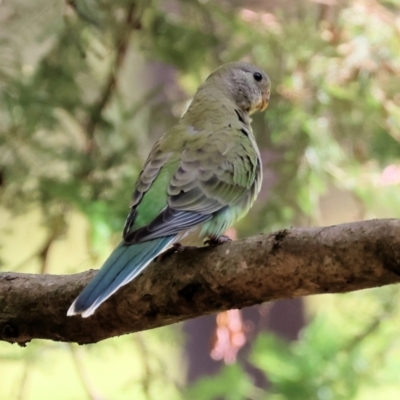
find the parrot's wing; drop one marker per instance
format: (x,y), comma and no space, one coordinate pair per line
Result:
(150,195)
(208,178)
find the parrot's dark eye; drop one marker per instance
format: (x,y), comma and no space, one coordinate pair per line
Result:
(257,76)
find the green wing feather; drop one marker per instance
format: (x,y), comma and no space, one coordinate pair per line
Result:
(150,196)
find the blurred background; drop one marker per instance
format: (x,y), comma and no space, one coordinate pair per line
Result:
(86,87)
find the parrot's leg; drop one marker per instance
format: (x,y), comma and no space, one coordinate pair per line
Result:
(175,248)
(215,241)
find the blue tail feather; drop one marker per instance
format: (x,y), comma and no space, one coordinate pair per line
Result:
(123,265)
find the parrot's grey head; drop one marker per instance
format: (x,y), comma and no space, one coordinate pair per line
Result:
(246,84)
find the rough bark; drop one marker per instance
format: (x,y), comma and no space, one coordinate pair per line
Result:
(285,264)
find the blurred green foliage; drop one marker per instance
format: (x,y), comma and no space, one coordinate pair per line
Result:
(349,355)
(80,108)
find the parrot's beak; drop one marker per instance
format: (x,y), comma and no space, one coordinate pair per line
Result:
(264,101)
(263,104)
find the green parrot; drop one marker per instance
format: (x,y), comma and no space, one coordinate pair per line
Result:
(199,178)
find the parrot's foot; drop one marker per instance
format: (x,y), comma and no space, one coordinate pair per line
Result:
(215,241)
(176,248)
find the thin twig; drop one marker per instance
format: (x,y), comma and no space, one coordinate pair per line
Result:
(23,383)
(132,22)
(147,378)
(92,392)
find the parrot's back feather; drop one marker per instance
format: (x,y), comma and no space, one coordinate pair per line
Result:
(168,222)
(123,265)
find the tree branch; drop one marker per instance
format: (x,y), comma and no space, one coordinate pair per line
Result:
(289,263)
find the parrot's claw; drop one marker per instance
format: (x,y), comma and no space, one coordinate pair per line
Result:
(175,248)
(215,241)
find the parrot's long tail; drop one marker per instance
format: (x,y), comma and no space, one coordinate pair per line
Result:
(123,265)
